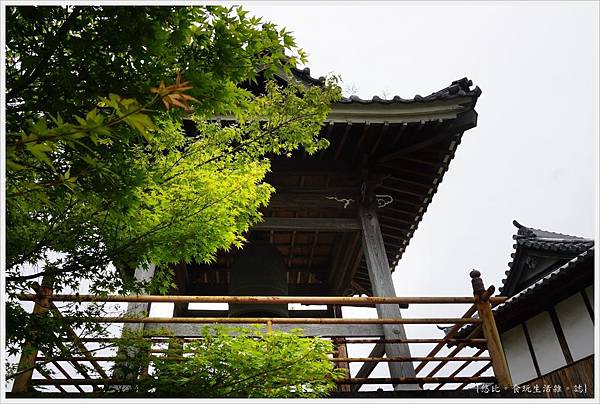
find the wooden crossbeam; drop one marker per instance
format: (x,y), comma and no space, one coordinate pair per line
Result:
(417,380)
(307,224)
(469,313)
(373,380)
(479,373)
(461,368)
(309,330)
(345,300)
(80,345)
(367,368)
(276,320)
(47,376)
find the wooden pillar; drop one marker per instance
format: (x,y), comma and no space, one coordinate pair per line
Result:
(341,350)
(22,382)
(382,285)
(137,309)
(490,331)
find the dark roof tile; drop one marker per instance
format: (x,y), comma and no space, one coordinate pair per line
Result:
(548,281)
(458,88)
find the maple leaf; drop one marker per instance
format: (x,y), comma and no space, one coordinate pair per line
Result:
(172,96)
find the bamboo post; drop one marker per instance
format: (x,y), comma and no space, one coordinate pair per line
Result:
(490,331)
(22,382)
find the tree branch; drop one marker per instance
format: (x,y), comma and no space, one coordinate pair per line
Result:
(42,61)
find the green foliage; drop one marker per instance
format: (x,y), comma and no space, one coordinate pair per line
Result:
(123,183)
(100,183)
(62,59)
(249,364)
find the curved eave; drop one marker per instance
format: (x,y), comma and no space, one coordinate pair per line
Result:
(400,112)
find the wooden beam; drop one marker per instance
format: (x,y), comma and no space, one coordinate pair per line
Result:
(81,369)
(490,332)
(414,380)
(309,330)
(340,277)
(382,285)
(307,224)
(182,282)
(80,345)
(476,375)
(278,320)
(468,314)
(461,368)
(357,287)
(382,133)
(224,313)
(417,358)
(343,300)
(65,373)
(311,200)
(47,376)
(340,146)
(367,368)
(416,146)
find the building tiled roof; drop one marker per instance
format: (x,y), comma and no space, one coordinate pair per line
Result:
(577,250)
(530,238)
(458,88)
(549,281)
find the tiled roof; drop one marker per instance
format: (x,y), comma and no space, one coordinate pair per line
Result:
(550,280)
(530,238)
(458,88)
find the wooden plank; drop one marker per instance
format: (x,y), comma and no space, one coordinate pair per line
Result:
(310,330)
(307,224)
(382,285)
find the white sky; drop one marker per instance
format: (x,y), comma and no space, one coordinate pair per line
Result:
(531,156)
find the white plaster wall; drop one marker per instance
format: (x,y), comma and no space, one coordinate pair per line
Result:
(545,343)
(577,326)
(517,355)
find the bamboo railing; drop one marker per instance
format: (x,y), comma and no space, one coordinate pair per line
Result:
(480,305)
